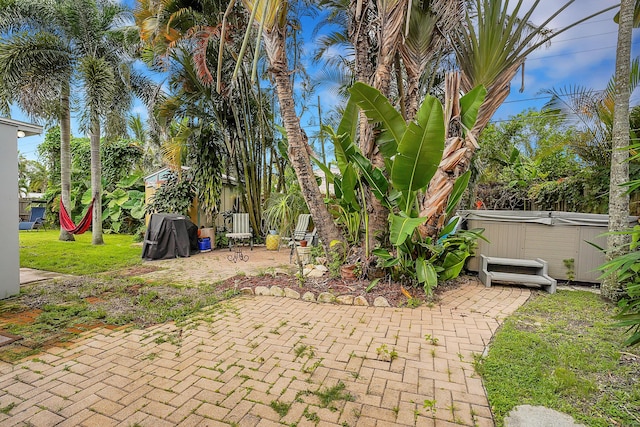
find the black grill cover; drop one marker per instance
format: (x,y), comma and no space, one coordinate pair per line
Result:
(170,236)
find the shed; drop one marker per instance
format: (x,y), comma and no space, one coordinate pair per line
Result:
(552,236)
(228,196)
(10,131)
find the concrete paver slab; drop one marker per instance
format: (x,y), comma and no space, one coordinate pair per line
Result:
(29,275)
(538,416)
(273,361)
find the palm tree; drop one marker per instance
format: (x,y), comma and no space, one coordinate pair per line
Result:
(37,65)
(57,44)
(489,48)
(273,18)
(591,112)
(618,197)
(232,125)
(105,52)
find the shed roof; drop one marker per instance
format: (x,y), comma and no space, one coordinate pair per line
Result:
(227,179)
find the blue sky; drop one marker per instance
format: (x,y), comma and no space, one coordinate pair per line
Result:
(583,56)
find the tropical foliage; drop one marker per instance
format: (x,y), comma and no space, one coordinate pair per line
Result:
(175,195)
(412,152)
(403,148)
(123,198)
(626,268)
(212,131)
(84,45)
(534,161)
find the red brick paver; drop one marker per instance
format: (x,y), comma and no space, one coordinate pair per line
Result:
(268,361)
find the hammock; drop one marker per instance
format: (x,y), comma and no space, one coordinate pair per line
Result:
(67,223)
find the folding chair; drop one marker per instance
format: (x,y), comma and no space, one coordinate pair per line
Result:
(36,219)
(300,233)
(241,230)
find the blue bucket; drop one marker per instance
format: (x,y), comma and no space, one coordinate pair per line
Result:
(204,244)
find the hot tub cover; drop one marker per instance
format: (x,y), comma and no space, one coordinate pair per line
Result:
(542,217)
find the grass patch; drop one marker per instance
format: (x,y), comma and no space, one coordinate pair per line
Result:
(43,251)
(66,307)
(560,351)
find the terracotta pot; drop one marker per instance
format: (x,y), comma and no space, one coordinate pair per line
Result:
(347,272)
(303,243)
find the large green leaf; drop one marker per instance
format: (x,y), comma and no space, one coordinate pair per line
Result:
(337,187)
(118,197)
(403,227)
(135,195)
(470,105)
(329,176)
(388,259)
(420,150)
(349,122)
(451,225)
(378,109)
(138,212)
(130,180)
(374,176)
(349,182)
(426,275)
(115,226)
(86,197)
(458,190)
(343,147)
(452,264)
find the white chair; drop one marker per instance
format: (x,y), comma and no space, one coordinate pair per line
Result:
(241,230)
(300,233)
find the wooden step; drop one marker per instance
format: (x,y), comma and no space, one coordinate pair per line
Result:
(514,262)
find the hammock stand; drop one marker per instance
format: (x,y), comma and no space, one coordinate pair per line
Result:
(67,223)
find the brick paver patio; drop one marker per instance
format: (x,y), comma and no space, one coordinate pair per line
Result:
(268,361)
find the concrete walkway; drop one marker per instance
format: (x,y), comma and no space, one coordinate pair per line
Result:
(268,361)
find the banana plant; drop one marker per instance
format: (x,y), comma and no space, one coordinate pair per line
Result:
(412,153)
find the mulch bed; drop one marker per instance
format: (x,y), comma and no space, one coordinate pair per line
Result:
(390,290)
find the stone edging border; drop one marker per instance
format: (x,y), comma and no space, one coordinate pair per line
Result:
(323,297)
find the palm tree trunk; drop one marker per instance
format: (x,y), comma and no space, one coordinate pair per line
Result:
(274,41)
(618,198)
(389,26)
(65,157)
(96,180)
(458,152)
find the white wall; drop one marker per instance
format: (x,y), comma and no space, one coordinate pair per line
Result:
(9,244)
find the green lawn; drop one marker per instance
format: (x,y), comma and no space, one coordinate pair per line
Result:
(561,351)
(42,250)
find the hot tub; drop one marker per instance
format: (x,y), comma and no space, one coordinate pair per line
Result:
(550,235)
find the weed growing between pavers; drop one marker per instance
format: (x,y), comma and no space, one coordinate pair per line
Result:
(63,308)
(385,354)
(561,351)
(280,407)
(332,394)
